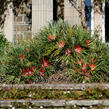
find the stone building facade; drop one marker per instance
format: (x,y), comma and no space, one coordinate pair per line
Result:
(41,12)
(71,14)
(23,22)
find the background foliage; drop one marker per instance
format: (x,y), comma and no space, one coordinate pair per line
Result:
(3,43)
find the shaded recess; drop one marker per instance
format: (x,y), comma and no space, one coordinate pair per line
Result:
(88,12)
(58,10)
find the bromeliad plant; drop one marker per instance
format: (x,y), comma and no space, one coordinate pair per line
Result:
(23,63)
(73,51)
(3,44)
(58,48)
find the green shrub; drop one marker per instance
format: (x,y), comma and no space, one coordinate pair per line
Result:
(3,44)
(35,94)
(23,63)
(58,48)
(73,51)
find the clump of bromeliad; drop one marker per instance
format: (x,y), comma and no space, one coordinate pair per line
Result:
(58,48)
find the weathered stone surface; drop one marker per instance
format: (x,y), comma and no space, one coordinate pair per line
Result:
(27,35)
(42,13)
(26,20)
(98,24)
(22,23)
(22,27)
(19,19)
(56,86)
(8,25)
(71,14)
(19,36)
(58,103)
(88,102)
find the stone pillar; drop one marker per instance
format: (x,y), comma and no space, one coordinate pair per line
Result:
(71,14)
(98,21)
(42,13)
(8,25)
(22,23)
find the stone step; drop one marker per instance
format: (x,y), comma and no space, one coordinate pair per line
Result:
(57,103)
(55,86)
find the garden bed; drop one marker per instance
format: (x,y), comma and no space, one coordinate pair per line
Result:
(61,55)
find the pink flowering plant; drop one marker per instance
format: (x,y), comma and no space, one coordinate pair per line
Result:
(58,48)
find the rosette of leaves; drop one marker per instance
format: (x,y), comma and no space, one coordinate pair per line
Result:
(23,64)
(19,57)
(72,50)
(57,42)
(57,48)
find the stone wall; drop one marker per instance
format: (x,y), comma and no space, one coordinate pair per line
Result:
(38,13)
(98,16)
(42,14)
(89,103)
(31,17)
(8,25)
(71,14)
(23,22)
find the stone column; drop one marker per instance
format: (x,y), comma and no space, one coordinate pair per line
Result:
(98,21)
(71,14)
(8,25)
(42,13)
(23,23)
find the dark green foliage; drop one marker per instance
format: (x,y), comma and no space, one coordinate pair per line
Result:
(3,43)
(92,94)
(3,48)
(19,57)
(92,52)
(58,48)
(14,63)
